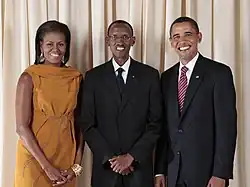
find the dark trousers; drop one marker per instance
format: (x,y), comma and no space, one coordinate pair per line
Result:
(119,182)
(183,184)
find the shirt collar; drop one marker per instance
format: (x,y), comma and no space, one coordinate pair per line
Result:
(125,66)
(190,65)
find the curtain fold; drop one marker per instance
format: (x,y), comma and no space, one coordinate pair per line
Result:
(225,25)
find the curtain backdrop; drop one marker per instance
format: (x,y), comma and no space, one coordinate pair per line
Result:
(225,25)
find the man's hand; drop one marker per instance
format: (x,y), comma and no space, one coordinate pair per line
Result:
(160,181)
(216,182)
(120,163)
(128,170)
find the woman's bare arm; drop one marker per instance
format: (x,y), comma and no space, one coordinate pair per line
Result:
(23,118)
(80,149)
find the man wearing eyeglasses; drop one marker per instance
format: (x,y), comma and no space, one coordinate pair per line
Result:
(121,114)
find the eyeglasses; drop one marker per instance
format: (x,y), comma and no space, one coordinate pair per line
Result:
(124,37)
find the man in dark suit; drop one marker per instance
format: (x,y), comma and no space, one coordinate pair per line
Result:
(197,146)
(121,114)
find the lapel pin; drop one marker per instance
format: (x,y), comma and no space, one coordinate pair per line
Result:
(197,77)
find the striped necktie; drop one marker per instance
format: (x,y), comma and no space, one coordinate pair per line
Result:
(182,87)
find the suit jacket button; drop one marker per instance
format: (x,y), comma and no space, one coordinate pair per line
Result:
(180,131)
(178,152)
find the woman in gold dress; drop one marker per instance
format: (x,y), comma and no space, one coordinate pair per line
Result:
(49,149)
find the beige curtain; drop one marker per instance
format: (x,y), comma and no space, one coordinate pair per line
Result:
(225,25)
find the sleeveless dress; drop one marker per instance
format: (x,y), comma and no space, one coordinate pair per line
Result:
(54,100)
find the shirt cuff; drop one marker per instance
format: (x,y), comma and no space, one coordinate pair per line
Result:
(159,175)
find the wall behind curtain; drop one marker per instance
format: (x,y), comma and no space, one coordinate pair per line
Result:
(225,25)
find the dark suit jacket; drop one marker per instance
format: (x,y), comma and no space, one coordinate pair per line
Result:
(114,126)
(202,138)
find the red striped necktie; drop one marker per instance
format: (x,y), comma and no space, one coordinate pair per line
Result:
(182,87)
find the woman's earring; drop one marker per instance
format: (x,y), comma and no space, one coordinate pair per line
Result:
(42,58)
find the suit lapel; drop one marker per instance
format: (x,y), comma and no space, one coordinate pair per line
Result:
(194,83)
(131,86)
(111,82)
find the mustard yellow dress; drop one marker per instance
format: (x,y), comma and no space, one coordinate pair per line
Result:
(54,100)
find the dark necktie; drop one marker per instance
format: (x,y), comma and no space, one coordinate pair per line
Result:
(120,79)
(182,87)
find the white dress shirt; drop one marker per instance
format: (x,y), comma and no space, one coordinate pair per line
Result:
(125,67)
(190,65)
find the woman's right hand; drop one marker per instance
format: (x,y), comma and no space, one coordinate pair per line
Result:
(54,175)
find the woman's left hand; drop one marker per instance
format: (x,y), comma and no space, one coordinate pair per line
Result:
(69,174)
